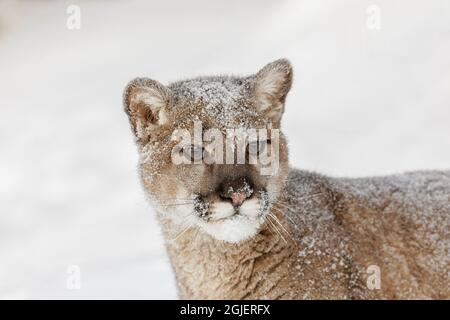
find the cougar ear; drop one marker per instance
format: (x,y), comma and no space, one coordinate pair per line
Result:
(145,102)
(271,85)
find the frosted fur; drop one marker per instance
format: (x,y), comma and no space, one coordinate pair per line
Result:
(338,228)
(299,235)
(219,95)
(272,84)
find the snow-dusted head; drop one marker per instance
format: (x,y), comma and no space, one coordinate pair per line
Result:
(195,172)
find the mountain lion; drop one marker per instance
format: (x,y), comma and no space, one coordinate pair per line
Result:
(233,232)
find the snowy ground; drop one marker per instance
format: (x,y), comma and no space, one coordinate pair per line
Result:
(364,102)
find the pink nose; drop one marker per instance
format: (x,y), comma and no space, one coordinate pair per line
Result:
(237,198)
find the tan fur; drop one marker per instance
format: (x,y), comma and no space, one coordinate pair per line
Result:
(319,236)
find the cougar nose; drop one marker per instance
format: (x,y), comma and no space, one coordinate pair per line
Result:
(236,190)
(237,198)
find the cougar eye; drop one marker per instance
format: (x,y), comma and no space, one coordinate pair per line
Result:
(255,148)
(193,152)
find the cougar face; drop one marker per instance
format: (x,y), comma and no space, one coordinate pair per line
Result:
(211,154)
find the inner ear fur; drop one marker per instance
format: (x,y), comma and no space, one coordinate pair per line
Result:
(271,86)
(145,102)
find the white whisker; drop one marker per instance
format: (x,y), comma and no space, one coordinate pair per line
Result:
(281,225)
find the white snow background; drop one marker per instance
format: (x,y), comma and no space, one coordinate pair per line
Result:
(364,102)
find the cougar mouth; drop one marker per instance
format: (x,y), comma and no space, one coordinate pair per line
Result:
(224,221)
(215,208)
